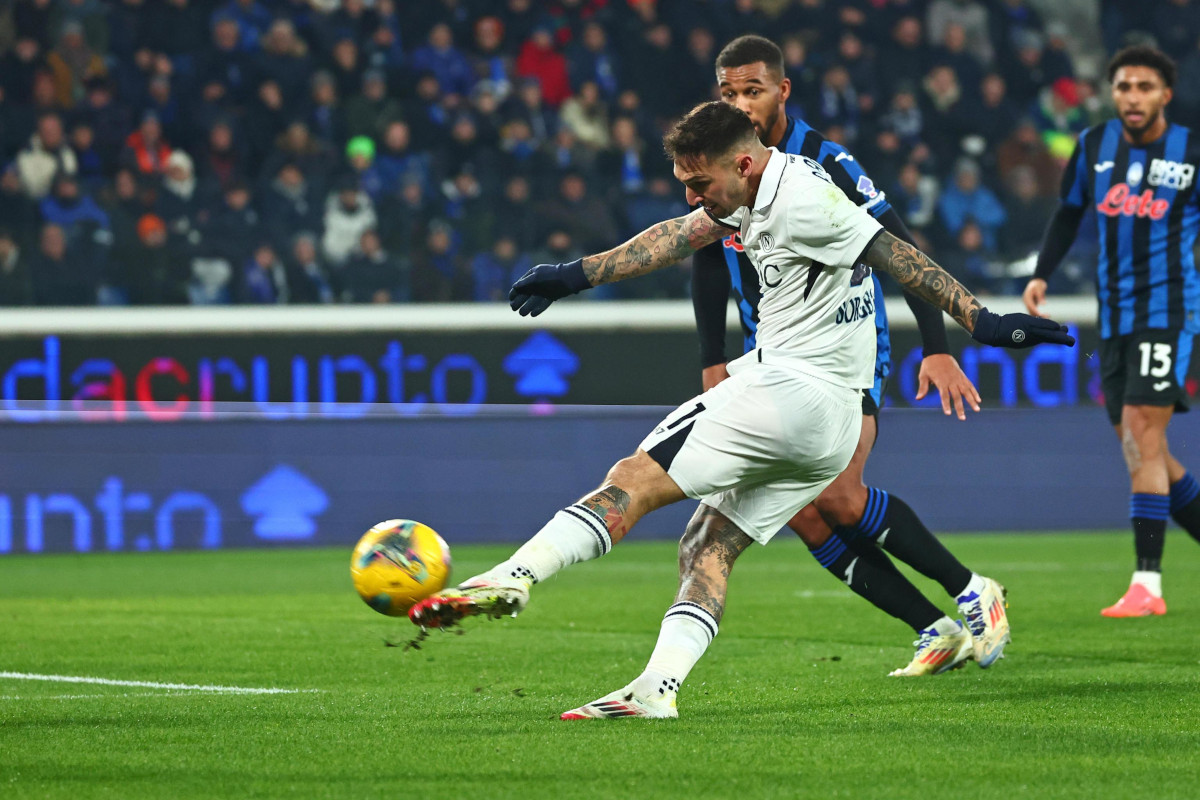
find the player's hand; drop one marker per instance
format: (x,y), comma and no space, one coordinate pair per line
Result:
(943,372)
(539,287)
(1018,331)
(1035,296)
(711,376)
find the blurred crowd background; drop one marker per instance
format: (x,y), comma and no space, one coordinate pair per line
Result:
(318,151)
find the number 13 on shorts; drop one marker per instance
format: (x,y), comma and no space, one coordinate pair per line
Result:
(1155,359)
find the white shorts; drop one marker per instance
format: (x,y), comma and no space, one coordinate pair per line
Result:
(760,445)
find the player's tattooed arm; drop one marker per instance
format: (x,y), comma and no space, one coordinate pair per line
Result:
(920,275)
(654,248)
(610,504)
(707,551)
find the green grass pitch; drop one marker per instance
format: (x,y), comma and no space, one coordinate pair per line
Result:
(792,699)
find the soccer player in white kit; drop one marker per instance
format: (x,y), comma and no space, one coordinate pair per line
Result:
(764,443)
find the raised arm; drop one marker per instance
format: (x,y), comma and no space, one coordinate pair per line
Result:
(921,276)
(654,248)
(918,274)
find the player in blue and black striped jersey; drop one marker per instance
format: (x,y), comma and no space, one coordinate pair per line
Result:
(1139,174)
(849,523)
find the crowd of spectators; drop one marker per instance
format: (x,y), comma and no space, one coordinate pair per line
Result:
(316,151)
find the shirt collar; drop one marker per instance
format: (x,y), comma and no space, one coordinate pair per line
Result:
(768,186)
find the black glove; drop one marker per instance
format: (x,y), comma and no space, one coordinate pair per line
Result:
(1018,331)
(539,287)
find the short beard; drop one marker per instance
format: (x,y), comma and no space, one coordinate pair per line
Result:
(768,126)
(1136,133)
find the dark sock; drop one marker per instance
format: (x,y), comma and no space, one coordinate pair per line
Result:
(1148,513)
(877,580)
(1185,504)
(894,526)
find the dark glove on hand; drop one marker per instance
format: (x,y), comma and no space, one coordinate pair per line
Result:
(1018,331)
(539,287)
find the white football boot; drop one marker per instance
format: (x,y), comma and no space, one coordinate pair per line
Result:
(627,703)
(988,621)
(938,653)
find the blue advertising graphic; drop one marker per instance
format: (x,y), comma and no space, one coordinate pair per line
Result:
(100,379)
(284,503)
(542,365)
(141,486)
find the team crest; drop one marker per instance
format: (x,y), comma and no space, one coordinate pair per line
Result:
(766,242)
(1134,176)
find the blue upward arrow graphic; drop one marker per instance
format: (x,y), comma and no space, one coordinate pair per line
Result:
(541,365)
(285,502)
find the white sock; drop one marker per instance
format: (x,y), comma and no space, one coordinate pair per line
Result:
(974,585)
(687,630)
(945,626)
(574,534)
(1151,580)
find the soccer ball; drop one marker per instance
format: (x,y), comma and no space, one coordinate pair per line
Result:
(397,564)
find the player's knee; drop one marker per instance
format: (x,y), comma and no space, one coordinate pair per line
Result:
(810,527)
(628,472)
(842,506)
(1143,429)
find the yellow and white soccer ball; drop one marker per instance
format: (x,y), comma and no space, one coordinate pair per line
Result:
(397,564)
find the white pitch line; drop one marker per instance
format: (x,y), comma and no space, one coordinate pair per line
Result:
(85,696)
(29,676)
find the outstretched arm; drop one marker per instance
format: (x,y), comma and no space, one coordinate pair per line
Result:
(920,275)
(654,248)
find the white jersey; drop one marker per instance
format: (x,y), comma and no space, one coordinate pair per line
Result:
(804,238)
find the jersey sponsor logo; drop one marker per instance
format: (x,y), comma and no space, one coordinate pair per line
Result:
(866,187)
(766,242)
(1104,166)
(1133,175)
(734,242)
(1121,202)
(855,309)
(1171,174)
(766,279)
(1161,385)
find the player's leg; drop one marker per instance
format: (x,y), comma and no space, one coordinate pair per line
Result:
(1143,432)
(1185,497)
(1142,377)
(1185,489)
(814,442)
(871,575)
(709,547)
(870,518)
(582,531)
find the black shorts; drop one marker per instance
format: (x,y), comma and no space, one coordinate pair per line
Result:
(873,397)
(1147,368)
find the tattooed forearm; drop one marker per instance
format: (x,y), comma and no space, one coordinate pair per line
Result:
(706,554)
(654,248)
(921,276)
(610,504)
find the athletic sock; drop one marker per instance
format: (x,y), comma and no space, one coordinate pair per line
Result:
(946,626)
(1151,580)
(872,576)
(1185,504)
(687,631)
(973,590)
(574,534)
(895,527)
(1148,513)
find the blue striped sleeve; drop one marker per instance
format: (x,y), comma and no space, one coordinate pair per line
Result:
(1074,180)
